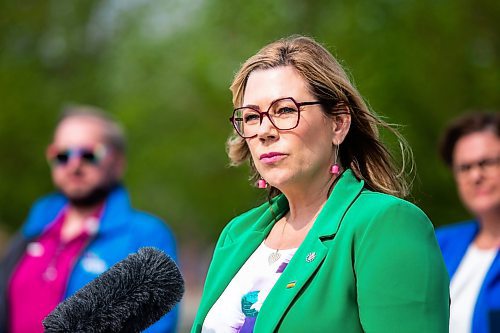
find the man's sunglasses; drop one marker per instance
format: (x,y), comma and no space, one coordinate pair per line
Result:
(91,156)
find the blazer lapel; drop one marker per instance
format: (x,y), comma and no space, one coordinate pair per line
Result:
(309,255)
(301,268)
(238,247)
(227,263)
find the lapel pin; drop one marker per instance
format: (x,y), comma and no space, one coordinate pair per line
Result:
(311,256)
(291,284)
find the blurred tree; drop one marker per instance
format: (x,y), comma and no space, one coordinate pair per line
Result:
(164,68)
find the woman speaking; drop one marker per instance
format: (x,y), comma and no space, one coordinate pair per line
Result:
(335,248)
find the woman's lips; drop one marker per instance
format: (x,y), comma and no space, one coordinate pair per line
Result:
(271,157)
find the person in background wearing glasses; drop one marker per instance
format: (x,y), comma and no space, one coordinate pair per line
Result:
(471,148)
(334,248)
(72,236)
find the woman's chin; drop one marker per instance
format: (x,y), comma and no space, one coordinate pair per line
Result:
(282,183)
(484,208)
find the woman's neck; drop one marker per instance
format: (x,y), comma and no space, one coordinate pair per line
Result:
(489,235)
(306,203)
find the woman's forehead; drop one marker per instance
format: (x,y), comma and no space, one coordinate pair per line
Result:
(266,85)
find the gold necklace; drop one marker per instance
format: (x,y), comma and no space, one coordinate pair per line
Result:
(274,256)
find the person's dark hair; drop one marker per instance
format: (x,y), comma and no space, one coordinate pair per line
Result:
(467,124)
(113,131)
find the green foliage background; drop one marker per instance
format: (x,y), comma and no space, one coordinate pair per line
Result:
(163,68)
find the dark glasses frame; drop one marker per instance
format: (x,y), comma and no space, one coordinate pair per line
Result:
(483,165)
(233,118)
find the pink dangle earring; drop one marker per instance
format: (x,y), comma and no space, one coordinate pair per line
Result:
(335,168)
(262,183)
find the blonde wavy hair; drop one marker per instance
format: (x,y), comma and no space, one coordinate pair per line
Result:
(362,150)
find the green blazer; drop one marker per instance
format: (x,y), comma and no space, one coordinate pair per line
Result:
(376,267)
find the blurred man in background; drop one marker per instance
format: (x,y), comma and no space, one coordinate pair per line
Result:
(471,148)
(72,236)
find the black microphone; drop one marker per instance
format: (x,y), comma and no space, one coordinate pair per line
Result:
(129,297)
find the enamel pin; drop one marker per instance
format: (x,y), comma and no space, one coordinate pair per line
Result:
(311,256)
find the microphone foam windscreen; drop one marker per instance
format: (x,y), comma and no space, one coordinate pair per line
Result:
(128,297)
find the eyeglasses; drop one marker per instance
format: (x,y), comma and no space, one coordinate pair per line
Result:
(91,156)
(284,114)
(486,165)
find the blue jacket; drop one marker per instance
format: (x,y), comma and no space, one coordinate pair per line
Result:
(122,231)
(454,241)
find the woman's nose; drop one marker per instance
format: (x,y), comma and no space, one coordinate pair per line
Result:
(267,128)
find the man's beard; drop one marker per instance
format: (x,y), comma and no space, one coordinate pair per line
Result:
(92,198)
